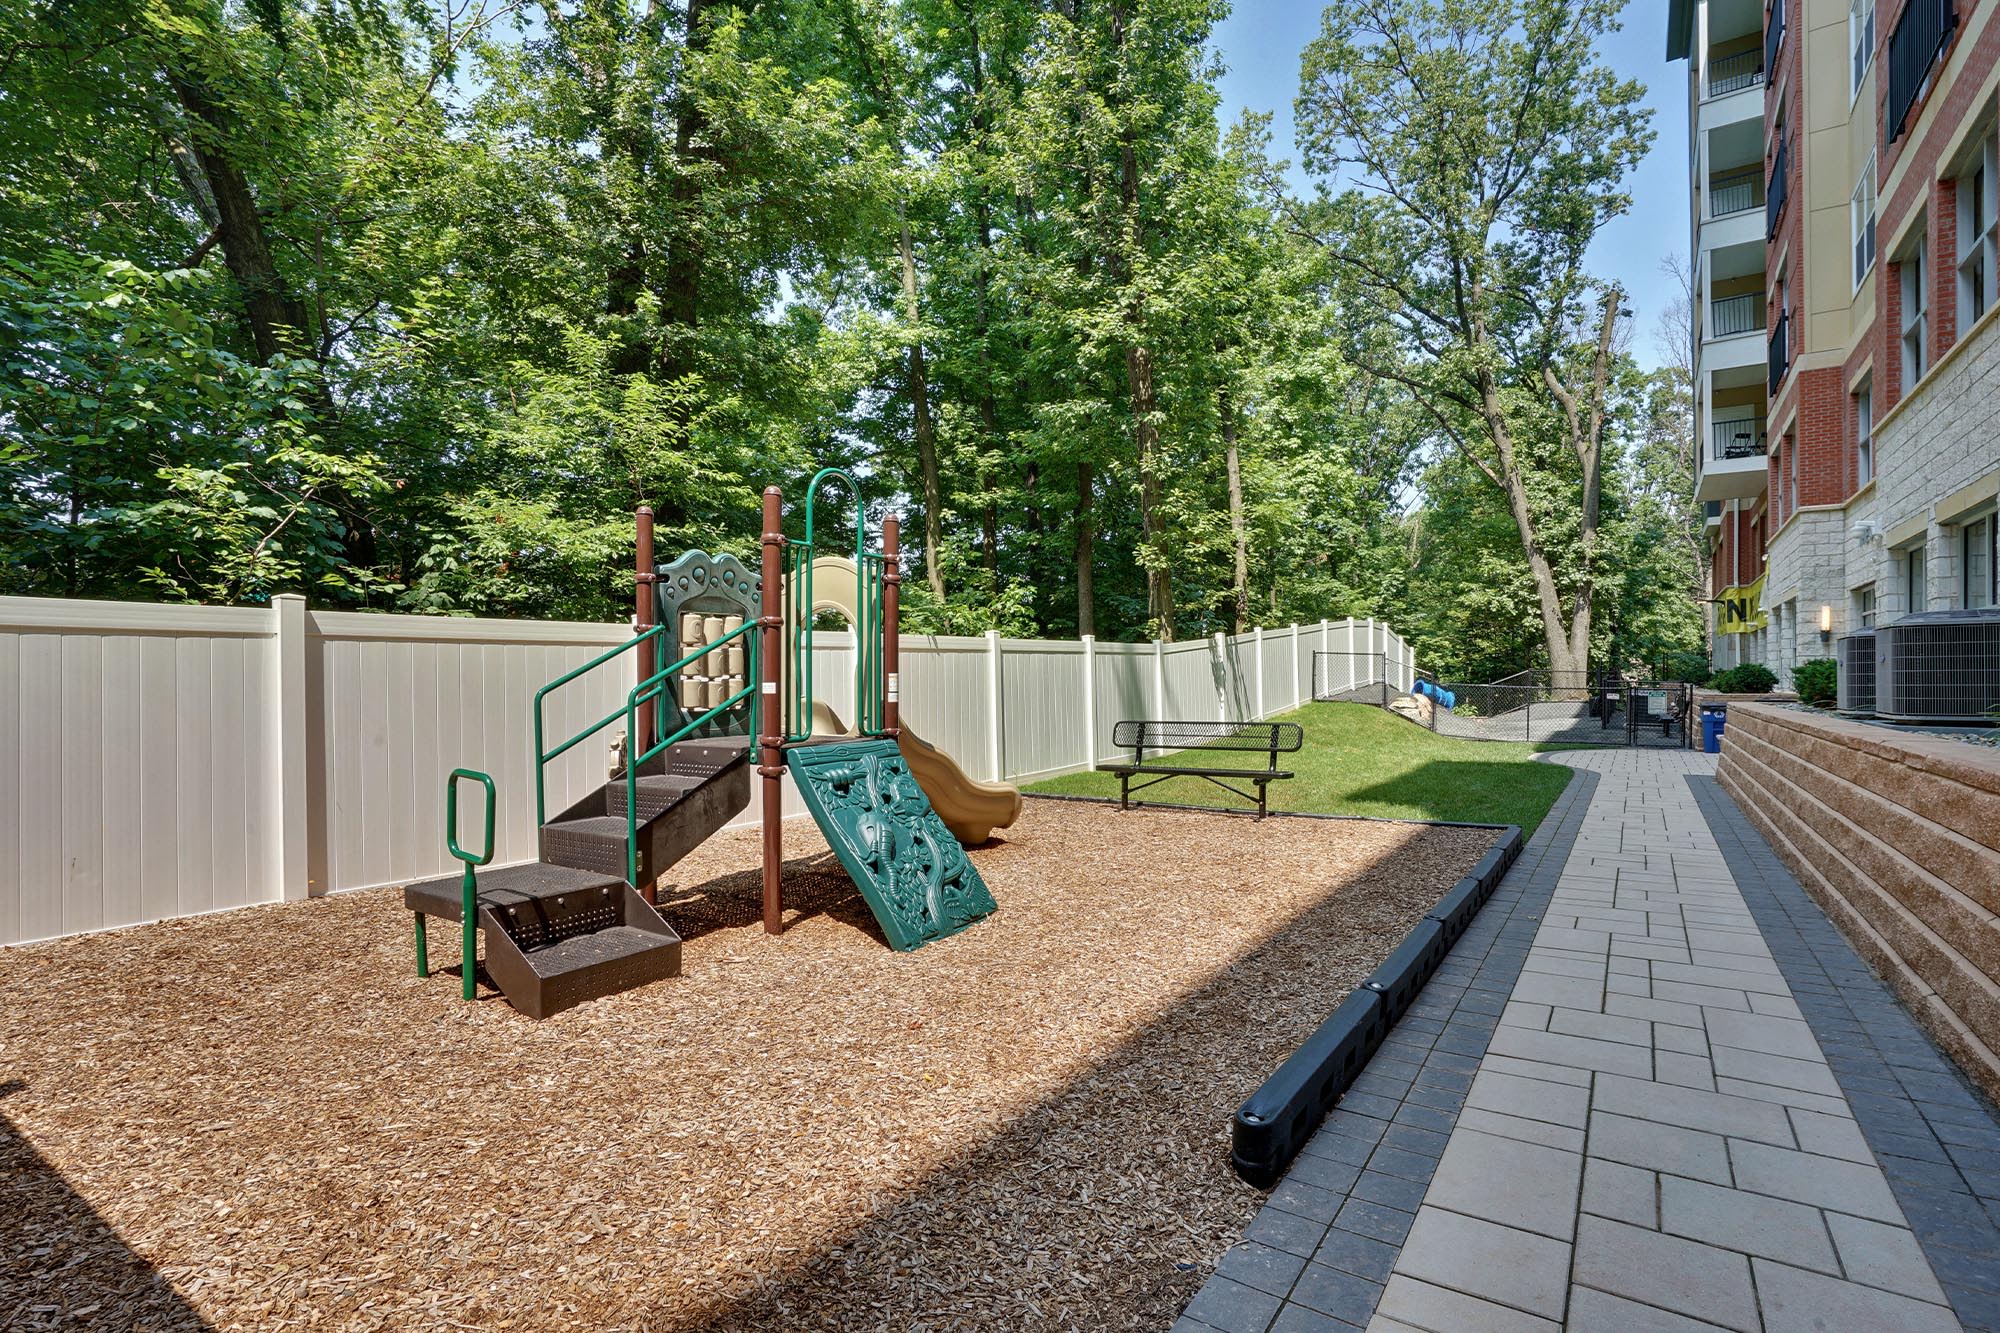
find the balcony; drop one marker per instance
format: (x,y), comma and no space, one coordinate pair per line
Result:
(1776,188)
(1735,191)
(1924,29)
(1738,437)
(1733,74)
(1729,316)
(1732,465)
(1781,352)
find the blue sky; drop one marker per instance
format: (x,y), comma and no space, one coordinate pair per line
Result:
(1260,43)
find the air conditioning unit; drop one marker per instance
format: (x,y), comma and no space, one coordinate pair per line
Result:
(1939,666)
(1856,655)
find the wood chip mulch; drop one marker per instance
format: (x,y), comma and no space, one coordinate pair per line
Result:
(265,1120)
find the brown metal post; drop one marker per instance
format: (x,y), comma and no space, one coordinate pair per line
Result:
(770,709)
(642,622)
(892,584)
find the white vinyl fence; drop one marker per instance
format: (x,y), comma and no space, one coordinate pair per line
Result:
(165,761)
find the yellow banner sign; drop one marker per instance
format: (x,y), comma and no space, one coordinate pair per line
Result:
(1741,610)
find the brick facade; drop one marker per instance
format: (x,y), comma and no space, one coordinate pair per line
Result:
(1938,445)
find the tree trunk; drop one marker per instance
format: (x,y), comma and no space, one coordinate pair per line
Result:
(1238,529)
(1547,598)
(1086,539)
(920,411)
(681,285)
(1142,391)
(276,319)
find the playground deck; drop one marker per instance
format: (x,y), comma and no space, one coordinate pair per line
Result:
(264,1118)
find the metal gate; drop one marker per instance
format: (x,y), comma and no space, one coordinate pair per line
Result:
(1566,709)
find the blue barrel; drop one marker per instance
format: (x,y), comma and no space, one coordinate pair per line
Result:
(1712,720)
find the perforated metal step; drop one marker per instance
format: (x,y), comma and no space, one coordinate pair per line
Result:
(509,886)
(595,844)
(656,794)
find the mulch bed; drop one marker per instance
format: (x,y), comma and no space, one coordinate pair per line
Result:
(265,1120)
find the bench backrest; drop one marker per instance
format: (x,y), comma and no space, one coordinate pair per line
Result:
(1270,738)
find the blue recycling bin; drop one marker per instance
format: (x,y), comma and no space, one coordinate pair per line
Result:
(1712,720)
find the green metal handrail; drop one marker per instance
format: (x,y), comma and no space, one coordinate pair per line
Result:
(542,757)
(468,888)
(653,687)
(868,679)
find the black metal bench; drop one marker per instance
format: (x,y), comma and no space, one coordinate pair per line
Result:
(1179,745)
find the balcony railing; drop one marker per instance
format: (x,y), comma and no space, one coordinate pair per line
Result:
(1921,32)
(1774,33)
(1774,189)
(1732,74)
(1731,315)
(1735,192)
(1739,437)
(1781,351)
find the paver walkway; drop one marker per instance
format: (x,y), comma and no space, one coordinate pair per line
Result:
(1651,1138)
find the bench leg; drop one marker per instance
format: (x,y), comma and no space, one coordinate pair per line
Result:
(1124,791)
(423,951)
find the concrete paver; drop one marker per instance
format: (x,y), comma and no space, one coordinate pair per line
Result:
(1718,1144)
(1643,1130)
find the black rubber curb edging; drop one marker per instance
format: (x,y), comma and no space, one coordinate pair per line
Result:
(1270,1127)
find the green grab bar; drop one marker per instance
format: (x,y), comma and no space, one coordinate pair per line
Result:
(468,888)
(652,687)
(800,720)
(542,757)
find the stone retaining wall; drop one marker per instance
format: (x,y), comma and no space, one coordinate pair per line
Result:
(1898,838)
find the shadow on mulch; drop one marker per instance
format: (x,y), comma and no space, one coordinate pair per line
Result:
(815,885)
(1000,1238)
(48,1231)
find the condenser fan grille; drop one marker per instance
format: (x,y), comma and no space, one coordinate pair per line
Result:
(1856,655)
(1939,666)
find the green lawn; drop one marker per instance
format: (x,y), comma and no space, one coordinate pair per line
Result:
(1360,760)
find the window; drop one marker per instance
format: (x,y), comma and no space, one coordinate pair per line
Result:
(1864,607)
(1915,324)
(1861,215)
(1979,564)
(1864,437)
(1916,594)
(1861,39)
(1977,268)
(1791,477)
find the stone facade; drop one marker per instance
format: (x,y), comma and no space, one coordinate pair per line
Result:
(1939,456)
(1808,570)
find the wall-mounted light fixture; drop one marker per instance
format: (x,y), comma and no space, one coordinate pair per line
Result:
(1825,623)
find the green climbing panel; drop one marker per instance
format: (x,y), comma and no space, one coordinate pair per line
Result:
(880,824)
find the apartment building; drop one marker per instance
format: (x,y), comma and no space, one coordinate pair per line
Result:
(1847,364)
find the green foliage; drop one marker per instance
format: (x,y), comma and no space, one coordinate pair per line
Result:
(1690,666)
(1816,681)
(408,308)
(1749,678)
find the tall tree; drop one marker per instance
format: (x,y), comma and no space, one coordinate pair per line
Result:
(1479,146)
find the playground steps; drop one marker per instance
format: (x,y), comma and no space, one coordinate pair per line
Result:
(557,936)
(568,928)
(684,795)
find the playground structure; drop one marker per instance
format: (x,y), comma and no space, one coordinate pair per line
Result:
(580,922)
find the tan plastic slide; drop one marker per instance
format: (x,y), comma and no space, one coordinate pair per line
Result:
(969,808)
